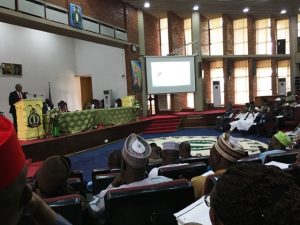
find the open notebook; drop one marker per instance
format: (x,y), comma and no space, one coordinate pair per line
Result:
(198,212)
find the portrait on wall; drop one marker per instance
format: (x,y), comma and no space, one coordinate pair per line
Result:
(136,75)
(75,16)
(10,69)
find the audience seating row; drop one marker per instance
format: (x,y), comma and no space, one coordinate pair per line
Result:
(148,205)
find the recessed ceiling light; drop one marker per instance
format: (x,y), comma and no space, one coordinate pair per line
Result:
(245,10)
(147,4)
(196,7)
(283,11)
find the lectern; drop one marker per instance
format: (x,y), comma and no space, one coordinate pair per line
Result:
(29,118)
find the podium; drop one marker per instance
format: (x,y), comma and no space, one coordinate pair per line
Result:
(29,118)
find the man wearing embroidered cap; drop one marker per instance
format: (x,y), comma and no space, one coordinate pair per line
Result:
(224,154)
(135,154)
(16,197)
(277,144)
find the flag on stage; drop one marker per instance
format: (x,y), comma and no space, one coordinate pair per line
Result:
(50,98)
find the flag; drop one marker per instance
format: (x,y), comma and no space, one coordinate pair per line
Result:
(50,98)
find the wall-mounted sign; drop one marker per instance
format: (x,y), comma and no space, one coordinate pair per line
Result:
(10,69)
(75,16)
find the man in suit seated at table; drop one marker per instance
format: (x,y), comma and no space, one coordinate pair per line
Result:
(224,154)
(135,154)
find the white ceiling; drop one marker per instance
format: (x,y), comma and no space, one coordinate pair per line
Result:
(211,8)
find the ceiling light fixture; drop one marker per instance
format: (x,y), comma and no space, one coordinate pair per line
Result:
(245,10)
(147,4)
(196,7)
(283,11)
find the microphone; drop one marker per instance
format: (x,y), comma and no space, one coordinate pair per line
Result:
(34,95)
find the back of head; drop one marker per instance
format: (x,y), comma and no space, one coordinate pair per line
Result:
(114,159)
(170,153)
(185,149)
(226,152)
(152,144)
(12,173)
(156,152)
(256,195)
(52,176)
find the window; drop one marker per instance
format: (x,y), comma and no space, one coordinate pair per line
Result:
(216,74)
(263,36)
(241,82)
(216,36)
(284,72)
(283,33)
(240,33)
(164,36)
(188,36)
(264,77)
(298,25)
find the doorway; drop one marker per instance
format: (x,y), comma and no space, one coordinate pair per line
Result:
(86,90)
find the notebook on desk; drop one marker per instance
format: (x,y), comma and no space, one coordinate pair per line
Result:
(198,212)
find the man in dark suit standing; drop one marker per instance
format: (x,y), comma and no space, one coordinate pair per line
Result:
(14,97)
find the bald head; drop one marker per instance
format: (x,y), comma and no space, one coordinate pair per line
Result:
(18,87)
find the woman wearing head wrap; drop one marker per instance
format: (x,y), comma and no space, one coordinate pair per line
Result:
(224,153)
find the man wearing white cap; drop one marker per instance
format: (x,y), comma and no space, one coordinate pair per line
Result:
(170,157)
(135,154)
(17,198)
(224,154)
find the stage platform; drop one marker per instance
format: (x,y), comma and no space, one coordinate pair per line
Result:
(200,119)
(42,148)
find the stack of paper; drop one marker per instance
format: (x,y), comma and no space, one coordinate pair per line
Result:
(198,212)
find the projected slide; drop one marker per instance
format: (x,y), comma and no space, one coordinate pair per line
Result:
(170,73)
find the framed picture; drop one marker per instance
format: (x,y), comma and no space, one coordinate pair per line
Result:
(10,69)
(75,16)
(136,75)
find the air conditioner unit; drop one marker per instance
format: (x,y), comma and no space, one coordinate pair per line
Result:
(216,93)
(281,86)
(107,98)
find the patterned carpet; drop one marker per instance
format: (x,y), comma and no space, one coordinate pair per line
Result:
(202,144)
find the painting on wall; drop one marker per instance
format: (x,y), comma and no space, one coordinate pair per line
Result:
(136,75)
(75,16)
(10,69)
